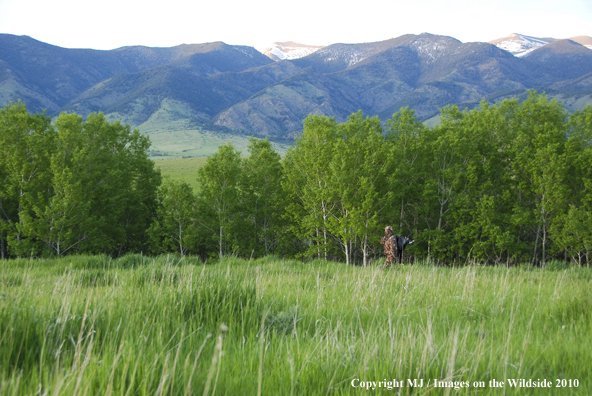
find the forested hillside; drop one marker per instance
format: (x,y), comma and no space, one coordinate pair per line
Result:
(504,183)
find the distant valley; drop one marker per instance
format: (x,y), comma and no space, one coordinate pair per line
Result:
(191,98)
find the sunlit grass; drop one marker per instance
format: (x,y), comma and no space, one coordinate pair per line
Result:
(181,170)
(146,326)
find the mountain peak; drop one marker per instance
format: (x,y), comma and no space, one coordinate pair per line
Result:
(563,46)
(586,41)
(288,50)
(520,44)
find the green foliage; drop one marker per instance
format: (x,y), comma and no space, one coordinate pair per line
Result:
(307,183)
(26,143)
(219,180)
(571,230)
(175,227)
(239,205)
(359,175)
(503,183)
(496,183)
(263,199)
(241,201)
(407,171)
(84,186)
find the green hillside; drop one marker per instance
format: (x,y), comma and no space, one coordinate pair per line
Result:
(173,134)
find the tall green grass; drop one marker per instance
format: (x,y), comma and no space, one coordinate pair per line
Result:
(176,326)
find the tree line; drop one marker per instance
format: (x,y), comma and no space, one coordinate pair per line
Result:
(505,183)
(72,185)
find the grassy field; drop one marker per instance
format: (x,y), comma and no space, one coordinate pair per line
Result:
(182,169)
(169,326)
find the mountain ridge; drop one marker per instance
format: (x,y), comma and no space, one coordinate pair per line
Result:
(227,89)
(288,50)
(521,45)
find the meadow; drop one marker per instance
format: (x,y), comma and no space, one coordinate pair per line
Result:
(173,137)
(92,325)
(181,170)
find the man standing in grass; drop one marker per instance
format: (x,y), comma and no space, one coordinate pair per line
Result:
(390,245)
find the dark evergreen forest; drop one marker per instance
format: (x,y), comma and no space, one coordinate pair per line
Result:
(503,184)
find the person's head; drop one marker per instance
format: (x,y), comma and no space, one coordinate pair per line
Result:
(388,230)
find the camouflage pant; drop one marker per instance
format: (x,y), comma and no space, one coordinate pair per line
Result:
(389,259)
(390,249)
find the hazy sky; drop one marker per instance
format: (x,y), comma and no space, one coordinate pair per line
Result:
(109,24)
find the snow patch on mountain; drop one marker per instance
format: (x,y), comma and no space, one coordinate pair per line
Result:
(519,44)
(288,50)
(248,51)
(431,47)
(350,56)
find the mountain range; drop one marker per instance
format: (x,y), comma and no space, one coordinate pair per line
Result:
(236,91)
(288,50)
(521,45)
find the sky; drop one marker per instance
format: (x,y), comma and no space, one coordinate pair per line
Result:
(109,24)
